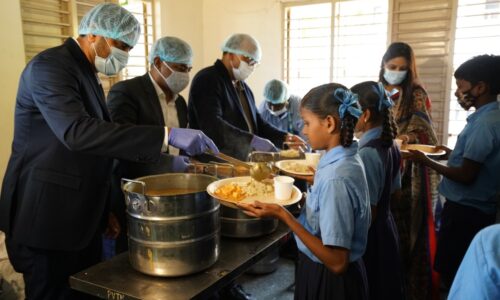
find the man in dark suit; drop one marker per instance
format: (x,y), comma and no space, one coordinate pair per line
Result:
(55,189)
(223,106)
(151,99)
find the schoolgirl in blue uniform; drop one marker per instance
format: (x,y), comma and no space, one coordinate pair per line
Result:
(470,179)
(332,228)
(382,161)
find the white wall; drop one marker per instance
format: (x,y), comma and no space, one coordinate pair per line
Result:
(12,63)
(205,24)
(183,19)
(259,18)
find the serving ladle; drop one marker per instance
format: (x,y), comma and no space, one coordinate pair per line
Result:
(258,170)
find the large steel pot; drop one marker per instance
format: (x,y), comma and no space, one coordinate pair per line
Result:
(235,223)
(175,233)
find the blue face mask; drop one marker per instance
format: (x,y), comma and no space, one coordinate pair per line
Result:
(394,77)
(114,63)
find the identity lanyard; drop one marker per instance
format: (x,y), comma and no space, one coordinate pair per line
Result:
(290,123)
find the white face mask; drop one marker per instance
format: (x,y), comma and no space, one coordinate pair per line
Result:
(114,63)
(176,81)
(277,112)
(243,71)
(394,77)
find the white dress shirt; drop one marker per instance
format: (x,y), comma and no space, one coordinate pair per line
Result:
(169,112)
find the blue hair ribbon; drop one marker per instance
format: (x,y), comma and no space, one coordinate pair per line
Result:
(347,100)
(385,97)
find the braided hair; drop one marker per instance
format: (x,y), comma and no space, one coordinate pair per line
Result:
(370,97)
(323,102)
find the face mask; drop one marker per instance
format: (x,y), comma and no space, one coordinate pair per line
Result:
(243,71)
(394,77)
(177,81)
(277,113)
(114,63)
(467,100)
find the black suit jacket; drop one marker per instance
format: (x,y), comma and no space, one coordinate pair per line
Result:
(55,189)
(135,101)
(214,107)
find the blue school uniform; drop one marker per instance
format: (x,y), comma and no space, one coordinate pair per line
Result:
(479,141)
(479,274)
(382,257)
(337,211)
(374,167)
(469,208)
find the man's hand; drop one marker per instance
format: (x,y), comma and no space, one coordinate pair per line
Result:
(192,141)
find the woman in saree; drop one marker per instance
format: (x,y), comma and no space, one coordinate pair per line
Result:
(414,209)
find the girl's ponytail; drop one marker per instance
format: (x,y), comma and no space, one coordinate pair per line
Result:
(349,113)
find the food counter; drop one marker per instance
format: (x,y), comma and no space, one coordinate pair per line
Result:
(116,279)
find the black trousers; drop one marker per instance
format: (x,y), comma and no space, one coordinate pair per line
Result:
(459,225)
(46,272)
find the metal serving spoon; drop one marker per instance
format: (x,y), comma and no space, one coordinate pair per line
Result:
(258,171)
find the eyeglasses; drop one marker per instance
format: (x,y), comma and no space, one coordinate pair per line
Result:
(249,61)
(180,67)
(121,45)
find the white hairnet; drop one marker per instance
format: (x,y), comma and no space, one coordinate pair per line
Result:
(276,91)
(243,44)
(111,21)
(172,49)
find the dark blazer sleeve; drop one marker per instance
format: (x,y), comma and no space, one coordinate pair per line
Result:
(62,107)
(182,111)
(206,97)
(264,128)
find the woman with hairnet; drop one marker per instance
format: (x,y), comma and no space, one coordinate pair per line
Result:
(151,99)
(280,109)
(53,203)
(223,106)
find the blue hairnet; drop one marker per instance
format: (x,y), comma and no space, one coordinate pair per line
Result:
(172,49)
(276,91)
(111,21)
(242,44)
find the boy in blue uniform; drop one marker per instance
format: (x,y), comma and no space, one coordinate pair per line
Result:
(471,180)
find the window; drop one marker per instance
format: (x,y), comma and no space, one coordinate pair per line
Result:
(47,24)
(477,32)
(345,48)
(139,56)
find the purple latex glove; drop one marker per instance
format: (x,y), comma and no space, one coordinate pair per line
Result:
(180,164)
(192,141)
(260,144)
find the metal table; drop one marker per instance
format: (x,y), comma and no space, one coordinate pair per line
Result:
(115,278)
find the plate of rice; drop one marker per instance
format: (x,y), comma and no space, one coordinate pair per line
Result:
(244,189)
